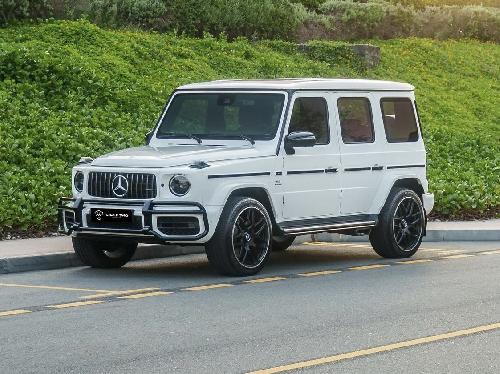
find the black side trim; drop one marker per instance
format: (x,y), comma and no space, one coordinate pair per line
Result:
(358,169)
(377,168)
(213,176)
(405,166)
(315,171)
(279,173)
(328,224)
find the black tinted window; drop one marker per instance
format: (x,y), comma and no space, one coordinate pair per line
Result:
(223,115)
(399,120)
(310,114)
(355,120)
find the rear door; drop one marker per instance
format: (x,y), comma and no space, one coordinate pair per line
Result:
(361,149)
(311,186)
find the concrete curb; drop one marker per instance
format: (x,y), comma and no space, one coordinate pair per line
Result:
(438,235)
(60,260)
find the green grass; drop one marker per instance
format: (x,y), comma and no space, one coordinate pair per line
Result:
(71,89)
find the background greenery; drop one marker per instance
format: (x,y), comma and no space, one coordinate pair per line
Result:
(71,89)
(299,20)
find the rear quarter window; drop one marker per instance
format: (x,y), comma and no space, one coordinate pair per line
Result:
(399,120)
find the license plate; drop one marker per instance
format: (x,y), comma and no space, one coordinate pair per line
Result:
(111,215)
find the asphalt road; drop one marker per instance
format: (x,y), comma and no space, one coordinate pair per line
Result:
(317,309)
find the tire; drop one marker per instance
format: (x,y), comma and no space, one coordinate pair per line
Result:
(281,242)
(104,254)
(242,240)
(401,225)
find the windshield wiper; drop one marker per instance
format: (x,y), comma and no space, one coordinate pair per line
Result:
(231,136)
(167,135)
(247,138)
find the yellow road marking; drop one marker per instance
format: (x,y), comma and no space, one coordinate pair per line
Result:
(360,246)
(14,312)
(316,273)
(208,287)
(148,294)
(75,304)
(494,252)
(115,293)
(317,243)
(264,280)
(336,244)
(440,250)
(51,287)
(379,349)
(367,267)
(458,256)
(415,261)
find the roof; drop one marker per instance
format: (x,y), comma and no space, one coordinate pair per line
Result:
(302,84)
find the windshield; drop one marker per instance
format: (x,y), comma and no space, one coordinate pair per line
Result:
(223,116)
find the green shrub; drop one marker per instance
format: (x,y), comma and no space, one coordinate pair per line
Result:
(140,13)
(350,20)
(14,10)
(249,18)
(452,22)
(71,89)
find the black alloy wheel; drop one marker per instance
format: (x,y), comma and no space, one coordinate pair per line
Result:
(407,224)
(251,236)
(242,240)
(401,225)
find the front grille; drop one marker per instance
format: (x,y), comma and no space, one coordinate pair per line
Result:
(138,185)
(176,225)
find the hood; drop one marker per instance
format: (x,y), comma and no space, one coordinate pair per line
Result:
(173,155)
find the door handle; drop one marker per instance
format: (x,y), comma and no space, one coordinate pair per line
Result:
(377,167)
(331,170)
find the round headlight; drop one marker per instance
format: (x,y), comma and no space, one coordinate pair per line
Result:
(78,181)
(179,185)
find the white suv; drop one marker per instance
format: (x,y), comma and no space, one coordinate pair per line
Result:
(243,166)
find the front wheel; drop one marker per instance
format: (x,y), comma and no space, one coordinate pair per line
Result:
(401,225)
(242,240)
(104,254)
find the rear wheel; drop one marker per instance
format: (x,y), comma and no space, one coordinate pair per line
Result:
(242,240)
(401,225)
(281,242)
(105,254)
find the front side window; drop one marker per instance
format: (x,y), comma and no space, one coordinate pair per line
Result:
(223,115)
(399,120)
(355,120)
(311,114)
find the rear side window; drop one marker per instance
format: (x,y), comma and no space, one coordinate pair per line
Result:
(311,114)
(399,120)
(355,120)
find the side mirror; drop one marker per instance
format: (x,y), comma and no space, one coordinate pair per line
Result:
(299,139)
(148,137)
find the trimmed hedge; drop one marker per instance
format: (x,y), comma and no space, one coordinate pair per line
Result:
(71,89)
(299,20)
(351,20)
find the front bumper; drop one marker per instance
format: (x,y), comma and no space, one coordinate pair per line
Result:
(74,214)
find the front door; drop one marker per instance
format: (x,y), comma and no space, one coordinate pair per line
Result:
(311,186)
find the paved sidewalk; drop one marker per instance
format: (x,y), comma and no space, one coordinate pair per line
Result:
(57,252)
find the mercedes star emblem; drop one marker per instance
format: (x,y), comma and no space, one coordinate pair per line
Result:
(119,185)
(99,214)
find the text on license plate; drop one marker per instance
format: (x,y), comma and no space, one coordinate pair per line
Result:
(111,215)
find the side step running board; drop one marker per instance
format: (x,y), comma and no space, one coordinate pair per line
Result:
(328,227)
